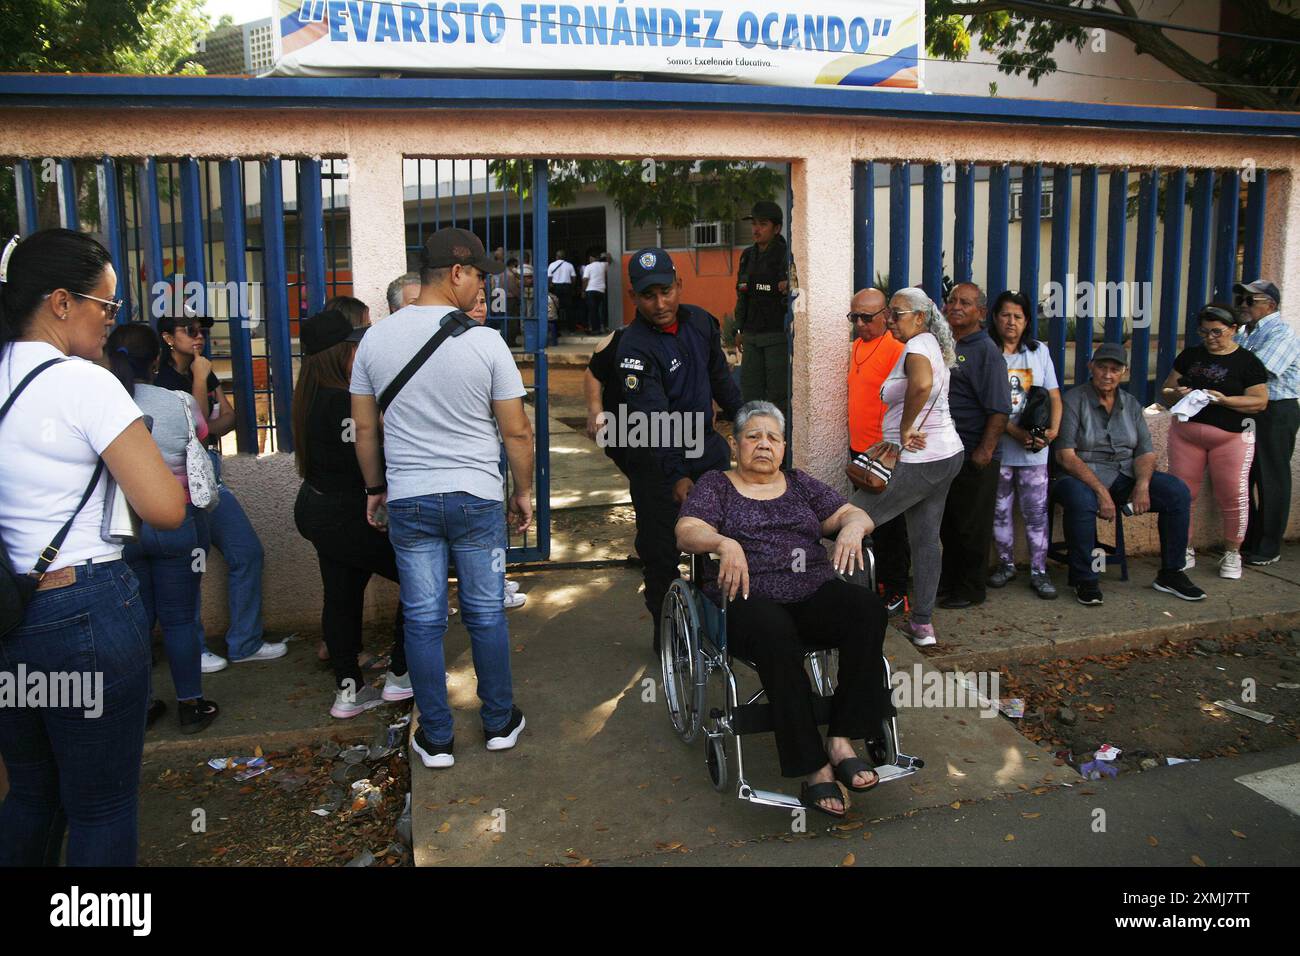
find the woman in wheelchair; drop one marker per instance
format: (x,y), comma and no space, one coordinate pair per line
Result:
(785,599)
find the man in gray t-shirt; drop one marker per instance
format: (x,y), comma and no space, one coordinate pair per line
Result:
(442,489)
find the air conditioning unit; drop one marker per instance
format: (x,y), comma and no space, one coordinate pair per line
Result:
(707,234)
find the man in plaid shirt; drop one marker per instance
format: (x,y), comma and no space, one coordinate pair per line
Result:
(1278,347)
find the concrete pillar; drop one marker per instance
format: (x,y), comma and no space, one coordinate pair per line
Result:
(822,234)
(1281,259)
(376,222)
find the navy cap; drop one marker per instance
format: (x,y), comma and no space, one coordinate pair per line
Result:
(1110,352)
(766,209)
(649,267)
(1258,287)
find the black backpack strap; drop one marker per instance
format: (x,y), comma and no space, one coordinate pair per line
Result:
(456,323)
(51,551)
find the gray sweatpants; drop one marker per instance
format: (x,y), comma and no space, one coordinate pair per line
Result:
(919,491)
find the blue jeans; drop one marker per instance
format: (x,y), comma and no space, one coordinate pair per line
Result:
(424,530)
(233,535)
(1169,499)
(170,574)
(63,760)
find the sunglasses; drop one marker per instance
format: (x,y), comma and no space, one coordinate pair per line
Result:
(1249,299)
(866,316)
(193,331)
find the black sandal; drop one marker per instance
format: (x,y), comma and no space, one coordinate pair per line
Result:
(850,767)
(809,794)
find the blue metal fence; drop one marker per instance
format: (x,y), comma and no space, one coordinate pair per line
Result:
(1156,277)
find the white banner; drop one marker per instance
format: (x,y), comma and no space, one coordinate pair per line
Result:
(835,43)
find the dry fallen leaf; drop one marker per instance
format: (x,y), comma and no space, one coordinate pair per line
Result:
(867,835)
(1238,834)
(445,827)
(1009,837)
(1197,860)
(956,804)
(854,825)
(1031,816)
(1153,841)
(668,846)
(849,860)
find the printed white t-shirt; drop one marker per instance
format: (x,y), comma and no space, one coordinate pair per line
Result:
(1026,369)
(50,441)
(941,438)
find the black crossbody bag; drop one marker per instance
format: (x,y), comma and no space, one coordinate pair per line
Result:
(458,323)
(17,590)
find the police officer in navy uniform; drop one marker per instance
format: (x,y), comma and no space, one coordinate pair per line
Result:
(762,299)
(670,359)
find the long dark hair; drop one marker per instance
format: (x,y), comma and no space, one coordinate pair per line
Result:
(132,351)
(353,309)
(44,261)
(1027,341)
(327,369)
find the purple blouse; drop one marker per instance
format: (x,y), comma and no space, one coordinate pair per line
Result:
(781,537)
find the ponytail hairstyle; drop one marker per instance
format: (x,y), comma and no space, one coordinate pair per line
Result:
(935,323)
(1027,341)
(132,353)
(43,262)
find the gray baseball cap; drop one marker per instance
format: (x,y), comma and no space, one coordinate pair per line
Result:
(1111,352)
(1258,287)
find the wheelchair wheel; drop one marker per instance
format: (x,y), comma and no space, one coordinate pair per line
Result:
(715,756)
(883,747)
(679,656)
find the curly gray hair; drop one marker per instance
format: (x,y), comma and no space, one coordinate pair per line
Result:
(935,323)
(756,409)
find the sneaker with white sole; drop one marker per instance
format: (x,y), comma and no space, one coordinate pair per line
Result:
(211,663)
(511,586)
(1190,560)
(507,736)
(1230,565)
(515,600)
(269,651)
(350,703)
(397,688)
(1179,585)
(433,756)
(922,635)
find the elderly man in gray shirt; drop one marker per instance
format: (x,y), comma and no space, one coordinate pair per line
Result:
(1104,448)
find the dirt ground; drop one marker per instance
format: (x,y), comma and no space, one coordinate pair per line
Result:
(1159,702)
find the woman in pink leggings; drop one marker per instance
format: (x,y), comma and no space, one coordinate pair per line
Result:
(1214,389)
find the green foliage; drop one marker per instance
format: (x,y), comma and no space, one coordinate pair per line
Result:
(1023,37)
(672,192)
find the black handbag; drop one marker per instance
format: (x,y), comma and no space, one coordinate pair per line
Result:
(17,590)
(1036,416)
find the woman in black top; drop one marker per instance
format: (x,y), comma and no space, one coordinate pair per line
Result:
(330,511)
(1219,439)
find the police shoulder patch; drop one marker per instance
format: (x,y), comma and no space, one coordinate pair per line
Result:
(632,363)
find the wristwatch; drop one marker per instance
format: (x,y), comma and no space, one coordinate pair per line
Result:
(377,489)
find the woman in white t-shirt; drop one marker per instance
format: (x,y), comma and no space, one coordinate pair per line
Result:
(1023,455)
(917,420)
(86,618)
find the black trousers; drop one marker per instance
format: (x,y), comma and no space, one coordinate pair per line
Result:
(893,555)
(967,531)
(656,515)
(1270,478)
(776,636)
(349,552)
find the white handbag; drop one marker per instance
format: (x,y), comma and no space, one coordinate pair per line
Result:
(200,474)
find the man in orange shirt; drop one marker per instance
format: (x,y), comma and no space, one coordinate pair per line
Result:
(875,353)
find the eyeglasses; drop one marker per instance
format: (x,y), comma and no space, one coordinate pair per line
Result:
(1214,333)
(111,306)
(866,316)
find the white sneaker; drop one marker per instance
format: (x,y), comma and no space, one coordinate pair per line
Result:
(269,651)
(350,703)
(511,586)
(1190,561)
(1230,565)
(515,600)
(211,663)
(397,688)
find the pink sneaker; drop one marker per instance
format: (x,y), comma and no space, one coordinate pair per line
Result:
(922,635)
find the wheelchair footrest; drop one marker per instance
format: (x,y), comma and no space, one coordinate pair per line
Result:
(747,719)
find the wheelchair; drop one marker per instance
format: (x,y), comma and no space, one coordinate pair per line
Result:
(699,672)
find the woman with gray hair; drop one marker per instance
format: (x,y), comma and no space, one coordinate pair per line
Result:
(766,524)
(918,426)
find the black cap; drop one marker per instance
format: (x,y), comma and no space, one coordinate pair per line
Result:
(327,329)
(1258,287)
(1111,352)
(766,209)
(649,267)
(458,247)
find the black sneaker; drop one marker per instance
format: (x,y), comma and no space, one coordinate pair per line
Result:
(1179,585)
(506,737)
(895,602)
(156,709)
(1087,592)
(197,714)
(432,755)
(1259,560)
